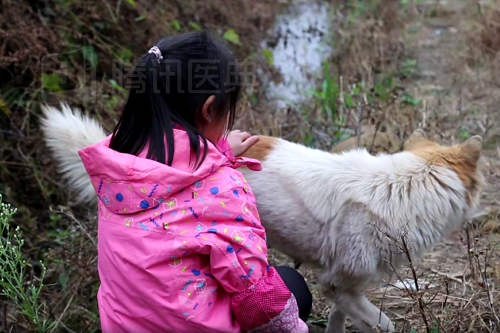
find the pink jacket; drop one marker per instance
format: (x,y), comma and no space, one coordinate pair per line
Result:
(181,250)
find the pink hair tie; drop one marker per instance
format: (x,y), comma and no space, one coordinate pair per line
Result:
(156,52)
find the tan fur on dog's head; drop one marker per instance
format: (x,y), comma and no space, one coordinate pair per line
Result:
(463,159)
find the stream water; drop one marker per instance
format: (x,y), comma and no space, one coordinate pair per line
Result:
(300,41)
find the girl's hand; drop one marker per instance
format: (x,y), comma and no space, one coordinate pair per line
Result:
(240,141)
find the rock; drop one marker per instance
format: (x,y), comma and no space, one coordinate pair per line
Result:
(384,143)
(491,226)
(428,74)
(316,328)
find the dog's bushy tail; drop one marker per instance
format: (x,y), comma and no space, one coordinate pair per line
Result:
(66,131)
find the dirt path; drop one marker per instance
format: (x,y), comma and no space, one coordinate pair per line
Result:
(454,107)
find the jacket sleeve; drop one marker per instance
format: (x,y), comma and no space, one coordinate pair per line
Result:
(267,306)
(236,162)
(225,148)
(260,300)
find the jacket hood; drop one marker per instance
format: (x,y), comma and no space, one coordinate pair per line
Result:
(128,184)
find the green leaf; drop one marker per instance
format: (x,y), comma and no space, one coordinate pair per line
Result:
(4,108)
(254,100)
(324,89)
(348,101)
(409,99)
(132,3)
(292,104)
(310,141)
(176,25)
(327,70)
(408,68)
(63,279)
(115,85)
(51,82)
(341,135)
(314,321)
(124,55)
(409,63)
(90,55)
(315,93)
(232,36)
(329,109)
(379,89)
(113,102)
(435,327)
(388,82)
(464,134)
(268,54)
(194,25)
(333,87)
(140,18)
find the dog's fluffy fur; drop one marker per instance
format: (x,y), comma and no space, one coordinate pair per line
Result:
(66,132)
(354,214)
(351,215)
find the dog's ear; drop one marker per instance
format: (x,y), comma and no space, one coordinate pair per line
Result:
(417,136)
(472,148)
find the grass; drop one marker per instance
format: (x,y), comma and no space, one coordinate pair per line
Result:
(20,291)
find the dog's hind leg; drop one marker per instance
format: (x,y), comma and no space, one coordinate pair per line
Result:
(364,314)
(336,320)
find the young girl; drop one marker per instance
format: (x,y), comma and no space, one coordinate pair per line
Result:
(181,247)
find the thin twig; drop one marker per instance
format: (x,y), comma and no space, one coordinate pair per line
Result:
(67,328)
(79,225)
(64,311)
(470,254)
(377,127)
(77,288)
(487,286)
(358,130)
(450,277)
(415,278)
(5,315)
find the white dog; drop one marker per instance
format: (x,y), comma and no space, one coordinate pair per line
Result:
(353,216)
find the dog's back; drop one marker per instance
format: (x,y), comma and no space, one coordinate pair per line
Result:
(426,191)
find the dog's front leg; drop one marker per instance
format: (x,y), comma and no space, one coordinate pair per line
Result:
(364,315)
(336,320)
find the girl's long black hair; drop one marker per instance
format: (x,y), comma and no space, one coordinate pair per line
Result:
(172,91)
